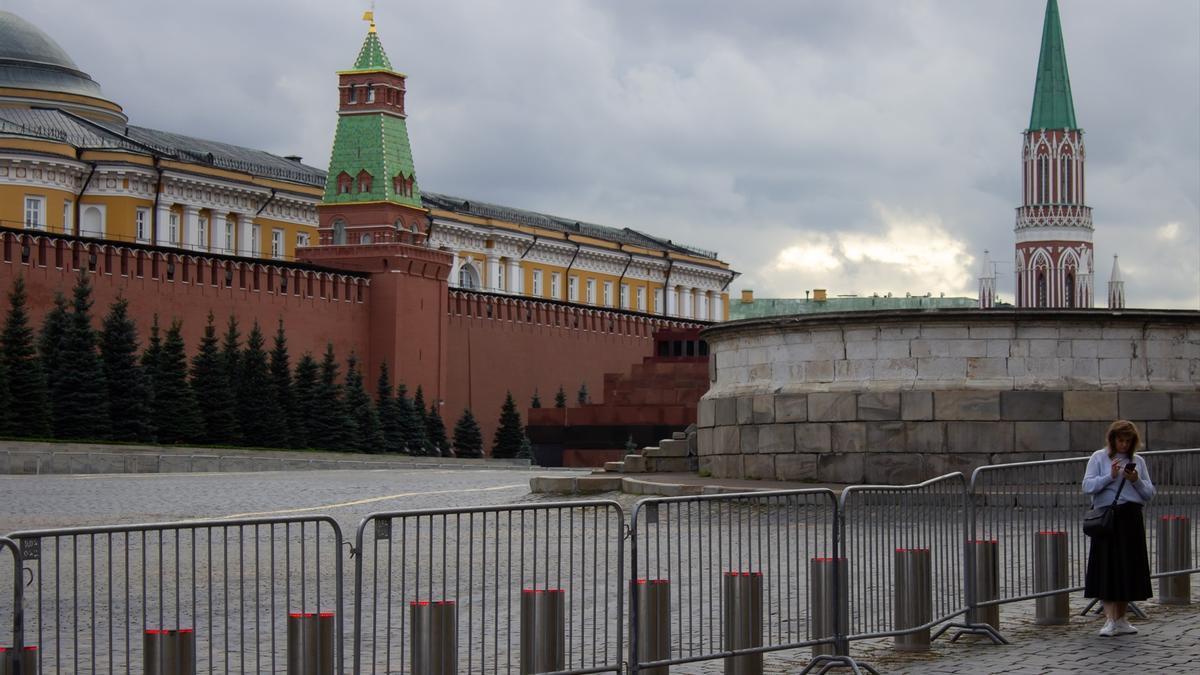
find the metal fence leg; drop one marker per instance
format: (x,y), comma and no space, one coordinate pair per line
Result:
(983,578)
(829,616)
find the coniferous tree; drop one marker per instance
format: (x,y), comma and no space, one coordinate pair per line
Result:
(54,329)
(262,421)
(417,423)
(368,436)
(468,440)
(308,406)
(526,449)
(25,383)
(582,396)
(436,430)
(231,362)
(5,399)
(333,428)
(536,402)
(507,440)
(412,427)
(175,411)
(210,384)
(281,378)
(150,358)
(385,404)
(128,399)
(560,399)
(77,383)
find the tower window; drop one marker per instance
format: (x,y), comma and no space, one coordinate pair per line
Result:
(1069,290)
(339,233)
(1043,179)
(1065,190)
(370,94)
(344,181)
(364,181)
(352,97)
(1041,288)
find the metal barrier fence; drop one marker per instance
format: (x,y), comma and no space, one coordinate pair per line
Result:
(725,576)
(207,596)
(910,539)
(10,606)
(528,587)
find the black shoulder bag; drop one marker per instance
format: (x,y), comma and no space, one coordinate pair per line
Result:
(1098,523)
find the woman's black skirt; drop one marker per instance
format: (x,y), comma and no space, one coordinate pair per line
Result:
(1118,568)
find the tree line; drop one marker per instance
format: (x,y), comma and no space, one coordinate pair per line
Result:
(71,381)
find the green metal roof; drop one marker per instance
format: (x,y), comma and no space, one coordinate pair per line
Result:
(372,56)
(1052,104)
(378,143)
(764,307)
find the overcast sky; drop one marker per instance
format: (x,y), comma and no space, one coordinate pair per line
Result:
(855,145)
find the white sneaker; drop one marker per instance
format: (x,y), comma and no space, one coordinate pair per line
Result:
(1123,627)
(1109,630)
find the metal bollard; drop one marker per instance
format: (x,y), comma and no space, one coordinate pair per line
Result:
(434,635)
(653,598)
(1174,553)
(169,652)
(543,634)
(1050,573)
(743,615)
(913,588)
(28,661)
(984,560)
(310,643)
(828,617)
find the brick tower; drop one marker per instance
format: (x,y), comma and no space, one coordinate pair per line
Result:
(1054,257)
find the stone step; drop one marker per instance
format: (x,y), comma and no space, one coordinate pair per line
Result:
(614,467)
(574,485)
(678,436)
(668,465)
(633,464)
(668,447)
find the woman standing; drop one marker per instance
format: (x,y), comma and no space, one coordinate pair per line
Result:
(1118,568)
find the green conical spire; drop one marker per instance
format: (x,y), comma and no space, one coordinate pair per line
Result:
(372,56)
(1052,104)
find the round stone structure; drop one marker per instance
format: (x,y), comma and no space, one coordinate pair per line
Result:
(899,396)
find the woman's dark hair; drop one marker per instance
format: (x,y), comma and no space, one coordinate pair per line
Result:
(1123,429)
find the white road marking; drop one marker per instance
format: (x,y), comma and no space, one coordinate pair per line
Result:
(369,500)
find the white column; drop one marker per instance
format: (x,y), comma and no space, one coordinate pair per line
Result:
(162,222)
(718,308)
(702,311)
(454,268)
(245,245)
(190,237)
(687,306)
(672,301)
(514,277)
(493,273)
(216,230)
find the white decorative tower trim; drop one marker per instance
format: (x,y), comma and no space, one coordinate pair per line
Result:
(987,283)
(1116,287)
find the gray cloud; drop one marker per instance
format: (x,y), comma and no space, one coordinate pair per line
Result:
(751,129)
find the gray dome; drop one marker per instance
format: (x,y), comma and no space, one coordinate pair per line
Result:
(30,59)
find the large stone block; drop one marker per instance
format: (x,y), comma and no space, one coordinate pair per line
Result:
(1172,435)
(895,369)
(813,437)
(745,410)
(879,406)
(1144,405)
(763,409)
(704,442)
(942,464)
(668,464)
(727,466)
(726,411)
(987,368)
(1031,405)
(848,437)
(916,405)
(1087,437)
(791,408)
(927,437)
(669,447)
(832,407)
(748,438)
(726,440)
(796,467)
(966,405)
(1185,407)
(1089,405)
(761,467)
(979,437)
(840,468)
(886,437)
(1042,436)
(900,469)
(633,464)
(942,368)
(776,438)
(706,413)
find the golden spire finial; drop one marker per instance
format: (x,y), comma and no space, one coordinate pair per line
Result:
(369,15)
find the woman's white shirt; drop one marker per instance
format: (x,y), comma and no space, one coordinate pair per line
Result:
(1099,483)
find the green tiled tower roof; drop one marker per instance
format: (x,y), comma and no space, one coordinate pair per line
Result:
(374,141)
(1052,104)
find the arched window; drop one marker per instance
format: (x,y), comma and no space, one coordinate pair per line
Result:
(1041,288)
(1043,178)
(339,233)
(92,222)
(468,276)
(1065,187)
(1069,288)
(364,181)
(344,182)
(366,238)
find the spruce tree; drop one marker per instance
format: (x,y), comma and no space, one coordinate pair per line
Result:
(332,428)
(526,450)
(231,362)
(560,399)
(54,329)
(25,383)
(468,440)
(5,399)
(536,402)
(435,428)
(175,410)
(262,421)
(128,400)
(507,441)
(582,396)
(150,358)
(308,406)
(281,378)
(368,436)
(385,404)
(214,394)
(420,425)
(77,383)
(412,427)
